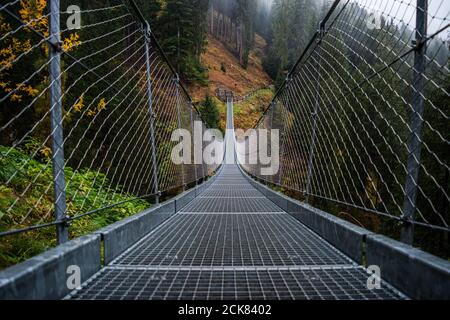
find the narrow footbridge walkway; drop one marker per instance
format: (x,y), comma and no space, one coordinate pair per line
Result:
(232,242)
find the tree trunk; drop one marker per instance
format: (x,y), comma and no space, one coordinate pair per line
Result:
(241,44)
(222,28)
(212,19)
(237,36)
(230,30)
(225,21)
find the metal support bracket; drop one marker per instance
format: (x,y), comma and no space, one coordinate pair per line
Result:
(152,115)
(177,82)
(320,32)
(56,114)
(416,124)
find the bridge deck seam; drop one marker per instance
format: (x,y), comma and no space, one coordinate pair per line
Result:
(232,212)
(235,268)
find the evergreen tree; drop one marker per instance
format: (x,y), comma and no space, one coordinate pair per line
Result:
(235,22)
(150,9)
(246,10)
(210,113)
(293,23)
(183,26)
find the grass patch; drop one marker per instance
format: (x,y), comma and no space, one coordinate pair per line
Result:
(247,112)
(22,191)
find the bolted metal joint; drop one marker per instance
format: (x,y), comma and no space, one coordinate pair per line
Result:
(176,79)
(147,28)
(147,33)
(417,45)
(405,218)
(57,46)
(405,221)
(288,79)
(147,38)
(64,221)
(320,31)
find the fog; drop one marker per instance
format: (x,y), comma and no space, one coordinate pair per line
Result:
(398,11)
(405,11)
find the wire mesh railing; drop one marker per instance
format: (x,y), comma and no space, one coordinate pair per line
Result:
(87,114)
(363,114)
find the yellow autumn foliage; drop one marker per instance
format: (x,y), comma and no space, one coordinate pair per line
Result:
(79,105)
(71,42)
(100,106)
(32,13)
(45,152)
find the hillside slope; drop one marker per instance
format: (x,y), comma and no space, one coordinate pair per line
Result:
(225,72)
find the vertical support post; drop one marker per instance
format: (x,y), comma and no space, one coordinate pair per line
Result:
(283,135)
(416,123)
(315,114)
(270,126)
(62,233)
(202,166)
(193,138)
(199,137)
(177,83)
(151,113)
(204,172)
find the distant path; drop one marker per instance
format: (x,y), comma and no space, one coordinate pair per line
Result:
(225,94)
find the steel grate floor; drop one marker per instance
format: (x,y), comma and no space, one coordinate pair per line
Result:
(220,204)
(344,284)
(233,240)
(228,187)
(218,193)
(233,243)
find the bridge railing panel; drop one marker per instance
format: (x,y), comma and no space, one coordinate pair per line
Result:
(363,117)
(87,112)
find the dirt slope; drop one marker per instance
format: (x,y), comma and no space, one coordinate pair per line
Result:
(234,78)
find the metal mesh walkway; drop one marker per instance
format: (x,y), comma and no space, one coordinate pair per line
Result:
(232,243)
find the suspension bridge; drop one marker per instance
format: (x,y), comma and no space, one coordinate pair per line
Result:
(362,118)
(232,242)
